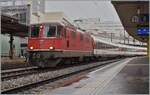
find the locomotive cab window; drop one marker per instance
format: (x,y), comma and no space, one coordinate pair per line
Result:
(35,30)
(51,31)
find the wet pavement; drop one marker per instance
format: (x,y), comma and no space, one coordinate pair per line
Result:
(133,78)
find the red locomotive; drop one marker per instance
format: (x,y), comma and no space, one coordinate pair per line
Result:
(53,43)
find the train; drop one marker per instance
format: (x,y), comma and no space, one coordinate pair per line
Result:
(54,43)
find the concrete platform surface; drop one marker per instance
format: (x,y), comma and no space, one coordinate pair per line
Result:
(133,79)
(128,76)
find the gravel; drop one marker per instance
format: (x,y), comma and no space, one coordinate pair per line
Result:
(15,83)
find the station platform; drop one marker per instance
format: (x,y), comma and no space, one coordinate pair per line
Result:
(7,63)
(128,76)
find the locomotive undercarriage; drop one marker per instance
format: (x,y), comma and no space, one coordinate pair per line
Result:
(43,59)
(53,58)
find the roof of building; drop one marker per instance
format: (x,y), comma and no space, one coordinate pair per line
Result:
(12,26)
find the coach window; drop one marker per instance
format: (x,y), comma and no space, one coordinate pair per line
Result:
(52,31)
(35,30)
(97,45)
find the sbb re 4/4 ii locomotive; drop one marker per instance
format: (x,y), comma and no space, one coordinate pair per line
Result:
(54,43)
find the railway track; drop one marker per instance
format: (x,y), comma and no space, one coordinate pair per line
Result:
(46,77)
(19,72)
(15,73)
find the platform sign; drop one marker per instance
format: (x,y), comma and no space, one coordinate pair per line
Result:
(143,31)
(143,25)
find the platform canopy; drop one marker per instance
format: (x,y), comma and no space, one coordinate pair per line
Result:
(12,26)
(134,16)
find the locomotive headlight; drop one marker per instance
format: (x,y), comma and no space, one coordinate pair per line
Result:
(51,47)
(31,47)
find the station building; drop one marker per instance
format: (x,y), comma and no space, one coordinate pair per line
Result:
(22,12)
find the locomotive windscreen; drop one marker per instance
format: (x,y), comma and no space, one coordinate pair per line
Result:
(46,30)
(35,30)
(51,31)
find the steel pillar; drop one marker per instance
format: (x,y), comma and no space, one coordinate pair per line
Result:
(11,52)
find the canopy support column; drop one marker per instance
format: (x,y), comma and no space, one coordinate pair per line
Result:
(11,53)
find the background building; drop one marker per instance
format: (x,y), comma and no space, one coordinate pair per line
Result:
(23,11)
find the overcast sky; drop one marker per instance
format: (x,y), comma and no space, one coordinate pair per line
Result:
(84,9)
